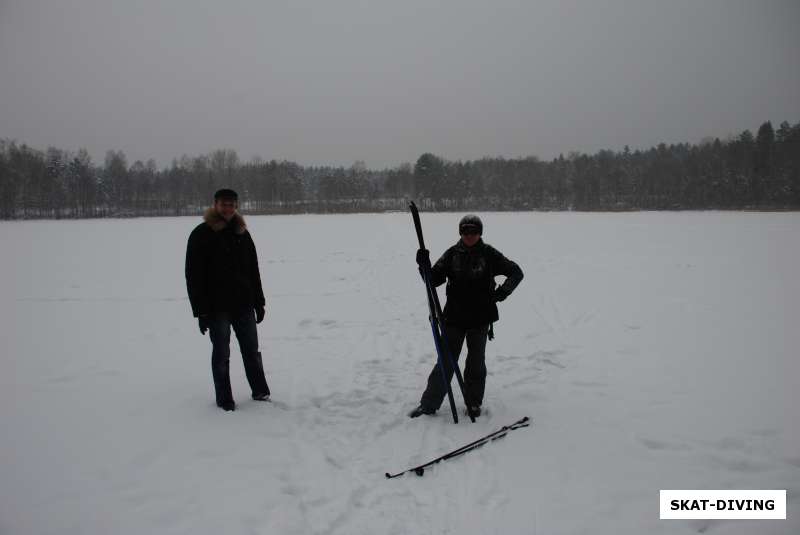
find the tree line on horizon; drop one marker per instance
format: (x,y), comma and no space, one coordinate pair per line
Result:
(747,171)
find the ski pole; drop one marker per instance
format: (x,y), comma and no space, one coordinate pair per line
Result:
(500,433)
(437,341)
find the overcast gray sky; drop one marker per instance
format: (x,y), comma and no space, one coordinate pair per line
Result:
(332,82)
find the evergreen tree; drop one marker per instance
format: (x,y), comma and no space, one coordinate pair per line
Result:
(763,161)
(428,177)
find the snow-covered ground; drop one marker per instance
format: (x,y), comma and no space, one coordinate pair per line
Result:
(651,351)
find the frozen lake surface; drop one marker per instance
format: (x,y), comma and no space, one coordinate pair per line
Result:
(651,351)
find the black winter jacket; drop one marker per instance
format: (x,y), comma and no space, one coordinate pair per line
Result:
(222,267)
(471,289)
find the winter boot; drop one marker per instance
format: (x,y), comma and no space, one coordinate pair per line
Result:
(227,405)
(420,410)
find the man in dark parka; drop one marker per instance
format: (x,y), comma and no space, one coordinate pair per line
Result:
(224,286)
(469,267)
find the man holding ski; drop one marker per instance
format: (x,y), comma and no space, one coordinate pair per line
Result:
(469,267)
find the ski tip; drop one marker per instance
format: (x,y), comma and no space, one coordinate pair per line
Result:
(388,475)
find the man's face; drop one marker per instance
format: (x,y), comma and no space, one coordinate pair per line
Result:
(226,208)
(470,237)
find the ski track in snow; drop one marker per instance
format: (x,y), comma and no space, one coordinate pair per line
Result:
(641,349)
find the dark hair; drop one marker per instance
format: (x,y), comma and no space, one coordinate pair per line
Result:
(226,194)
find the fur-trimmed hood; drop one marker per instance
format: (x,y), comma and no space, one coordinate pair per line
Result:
(217,222)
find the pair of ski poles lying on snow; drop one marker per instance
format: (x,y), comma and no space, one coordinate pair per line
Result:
(500,433)
(445,358)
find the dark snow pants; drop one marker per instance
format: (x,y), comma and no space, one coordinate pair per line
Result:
(474,367)
(219,329)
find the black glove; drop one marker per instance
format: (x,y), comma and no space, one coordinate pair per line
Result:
(260,314)
(202,321)
(500,294)
(423,257)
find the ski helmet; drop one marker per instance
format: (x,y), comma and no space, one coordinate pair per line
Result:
(470,222)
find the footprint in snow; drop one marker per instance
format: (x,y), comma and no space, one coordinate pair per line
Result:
(794,461)
(663,445)
(589,384)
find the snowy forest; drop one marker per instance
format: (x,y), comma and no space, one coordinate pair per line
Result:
(744,171)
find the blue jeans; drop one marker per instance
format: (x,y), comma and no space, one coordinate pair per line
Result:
(219,330)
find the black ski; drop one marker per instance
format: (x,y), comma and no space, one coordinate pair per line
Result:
(500,433)
(444,356)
